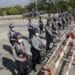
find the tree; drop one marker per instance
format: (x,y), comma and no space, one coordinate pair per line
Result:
(19,9)
(62,6)
(12,11)
(30,6)
(3,12)
(72,3)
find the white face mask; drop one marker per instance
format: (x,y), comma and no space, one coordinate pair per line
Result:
(20,40)
(12,29)
(37,34)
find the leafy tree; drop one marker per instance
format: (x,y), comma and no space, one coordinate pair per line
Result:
(62,6)
(25,9)
(72,3)
(30,6)
(19,9)
(12,11)
(3,12)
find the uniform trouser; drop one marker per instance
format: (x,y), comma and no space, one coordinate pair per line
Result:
(35,57)
(49,40)
(30,35)
(47,45)
(63,26)
(12,42)
(21,68)
(41,30)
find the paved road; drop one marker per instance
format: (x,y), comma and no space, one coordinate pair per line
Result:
(17,26)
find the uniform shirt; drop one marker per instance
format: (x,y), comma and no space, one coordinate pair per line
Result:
(54,26)
(30,25)
(37,43)
(64,20)
(27,47)
(40,23)
(48,29)
(60,20)
(17,51)
(23,48)
(11,35)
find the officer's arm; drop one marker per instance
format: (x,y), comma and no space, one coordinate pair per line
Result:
(34,44)
(16,57)
(47,29)
(54,31)
(50,32)
(42,42)
(55,25)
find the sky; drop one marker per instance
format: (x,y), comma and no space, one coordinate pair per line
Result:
(4,3)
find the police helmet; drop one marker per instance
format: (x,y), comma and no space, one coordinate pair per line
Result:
(11,26)
(17,35)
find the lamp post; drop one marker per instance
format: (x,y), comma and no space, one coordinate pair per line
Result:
(36,6)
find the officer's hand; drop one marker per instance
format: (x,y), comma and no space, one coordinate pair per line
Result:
(56,32)
(23,59)
(41,49)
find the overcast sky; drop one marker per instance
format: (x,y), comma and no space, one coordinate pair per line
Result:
(4,3)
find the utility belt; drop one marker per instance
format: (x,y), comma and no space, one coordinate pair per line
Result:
(12,41)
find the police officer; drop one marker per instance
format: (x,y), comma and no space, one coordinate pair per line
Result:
(40,24)
(55,31)
(20,55)
(49,17)
(69,18)
(49,38)
(59,23)
(64,21)
(11,34)
(54,27)
(37,46)
(30,29)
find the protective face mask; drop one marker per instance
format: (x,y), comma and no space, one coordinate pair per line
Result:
(20,40)
(37,34)
(12,29)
